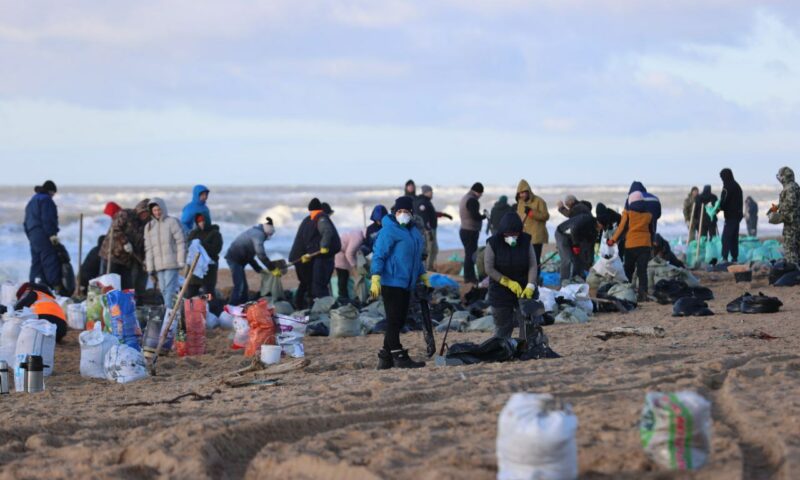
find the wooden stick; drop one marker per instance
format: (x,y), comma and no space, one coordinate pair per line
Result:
(691,223)
(172,314)
(300,260)
(699,233)
(80,255)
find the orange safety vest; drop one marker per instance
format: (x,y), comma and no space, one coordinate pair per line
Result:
(47,305)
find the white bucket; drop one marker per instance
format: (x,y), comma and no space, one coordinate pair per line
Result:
(270,354)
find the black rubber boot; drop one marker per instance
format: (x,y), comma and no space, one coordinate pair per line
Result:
(385,361)
(402,360)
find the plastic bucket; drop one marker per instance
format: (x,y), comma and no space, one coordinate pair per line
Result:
(270,354)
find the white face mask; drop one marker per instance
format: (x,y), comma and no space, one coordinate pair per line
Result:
(511,241)
(403,218)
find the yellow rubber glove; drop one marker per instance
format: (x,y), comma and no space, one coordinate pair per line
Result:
(426,279)
(515,287)
(306,258)
(276,272)
(530,289)
(323,251)
(375,288)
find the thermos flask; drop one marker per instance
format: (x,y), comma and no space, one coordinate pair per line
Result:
(34,373)
(4,377)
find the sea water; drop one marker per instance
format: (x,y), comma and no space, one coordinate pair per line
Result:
(237,208)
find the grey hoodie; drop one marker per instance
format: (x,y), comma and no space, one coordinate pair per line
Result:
(164,241)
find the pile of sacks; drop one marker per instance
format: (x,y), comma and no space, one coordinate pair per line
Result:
(571,304)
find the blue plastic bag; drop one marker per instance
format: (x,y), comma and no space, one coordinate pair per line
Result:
(124,324)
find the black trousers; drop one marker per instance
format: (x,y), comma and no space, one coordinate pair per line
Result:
(301,295)
(730,241)
(322,271)
(343,277)
(396,301)
(470,241)
(636,260)
(537,249)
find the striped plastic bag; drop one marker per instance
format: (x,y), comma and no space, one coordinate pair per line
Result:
(675,429)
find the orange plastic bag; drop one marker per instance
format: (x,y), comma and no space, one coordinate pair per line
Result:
(195,310)
(262,327)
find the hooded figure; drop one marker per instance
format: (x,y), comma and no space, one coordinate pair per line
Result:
(165,249)
(732,205)
(41,228)
(499,210)
(510,263)
(373,229)
(701,215)
(574,237)
(195,207)
(636,227)
(787,212)
(211,240)
(533,213)
(469,210)
(652,203)
(90,268)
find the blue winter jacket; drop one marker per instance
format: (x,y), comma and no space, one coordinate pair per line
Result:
(41,213)
(397,256)
(195,207)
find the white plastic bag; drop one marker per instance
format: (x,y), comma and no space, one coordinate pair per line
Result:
(94,346)
(578,293)
(292,324)
(226,320)
(76,316)
(241,333)
(670,423)
(124,364)
(36,337)
(611,268)
(548,299)
(112,280)
(536,439)
(12,323)
(8,295)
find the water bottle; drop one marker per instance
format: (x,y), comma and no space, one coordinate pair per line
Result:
(34,373)
(4,378)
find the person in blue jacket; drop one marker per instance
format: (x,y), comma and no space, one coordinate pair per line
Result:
(373,229)
(196,207)
(41,228)
(397,267)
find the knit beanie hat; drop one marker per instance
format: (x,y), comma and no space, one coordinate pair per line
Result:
(403,203)
(477,187)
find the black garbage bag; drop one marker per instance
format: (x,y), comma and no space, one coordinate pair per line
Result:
(779,269)
(691,307)
(788,279)
(703,293)
(665,290)
(760,304)
(317,330)
(67,287)
(474,295)
(548,319)
(735,306)
(492,350)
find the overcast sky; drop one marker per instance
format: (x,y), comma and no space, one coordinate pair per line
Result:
(374,92)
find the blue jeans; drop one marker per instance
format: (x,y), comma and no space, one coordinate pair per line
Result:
(168,284)
(240,292)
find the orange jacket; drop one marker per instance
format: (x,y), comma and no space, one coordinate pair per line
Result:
(636,228)
(47,305)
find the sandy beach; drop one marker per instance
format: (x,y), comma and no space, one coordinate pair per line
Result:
(339,418)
